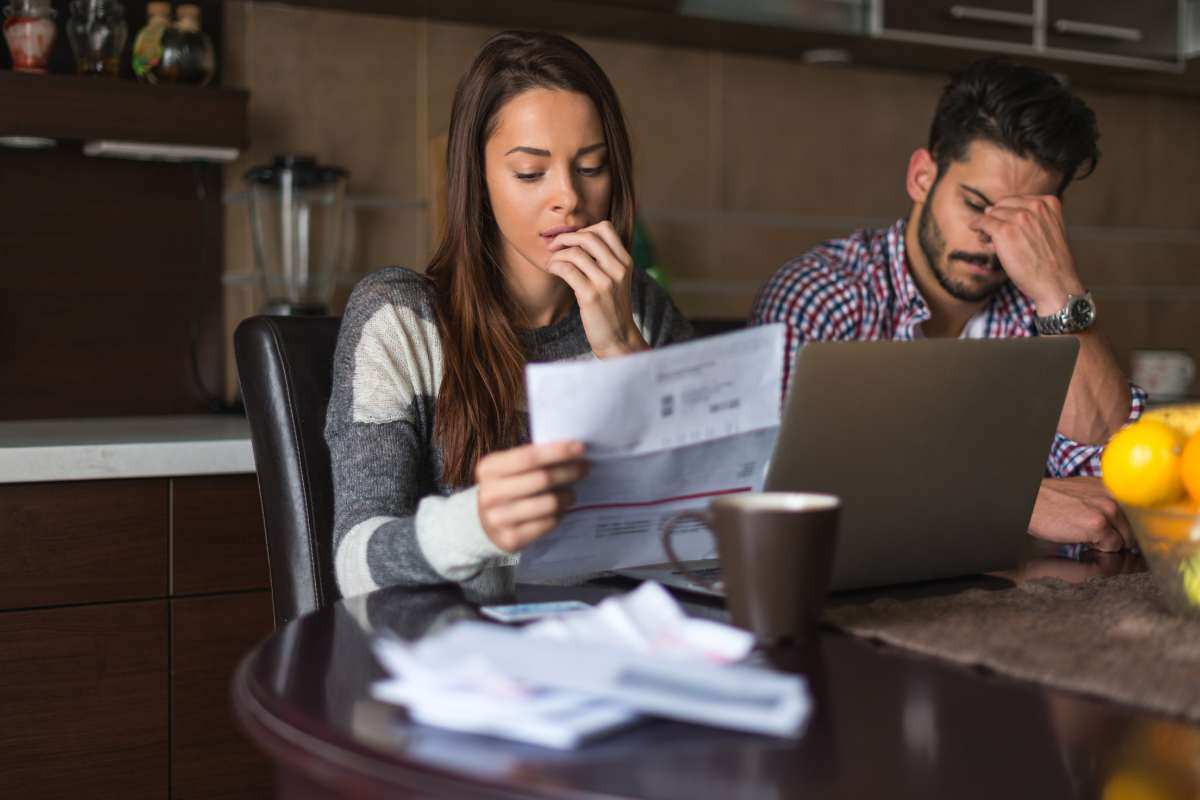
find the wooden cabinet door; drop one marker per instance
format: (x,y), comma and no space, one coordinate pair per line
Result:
(82,542)
(83,702)
(1145,29)
(993,20)
(217,539)
(210,758)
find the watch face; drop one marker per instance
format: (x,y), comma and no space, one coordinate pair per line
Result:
(1082,312)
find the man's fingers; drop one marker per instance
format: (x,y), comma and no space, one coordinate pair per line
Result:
(527,457)
(1124,528)
(536,481)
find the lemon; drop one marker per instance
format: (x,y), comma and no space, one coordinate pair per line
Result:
(1185,417)
(1189,571)
(1140,464)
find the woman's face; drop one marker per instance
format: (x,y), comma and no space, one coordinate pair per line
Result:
(547,173)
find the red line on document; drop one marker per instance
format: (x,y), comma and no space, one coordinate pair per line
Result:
(661,500)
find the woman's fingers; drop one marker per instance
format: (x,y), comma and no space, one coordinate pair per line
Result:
(528,457)
(583,261)
(530,483)
(517,512)
(608,233)
(605,250)
(520,536)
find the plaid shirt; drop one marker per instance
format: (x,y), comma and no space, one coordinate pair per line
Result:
(859,288)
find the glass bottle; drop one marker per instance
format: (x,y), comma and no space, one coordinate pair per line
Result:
(147,45)
(97,31)
(29,31)
(187,51)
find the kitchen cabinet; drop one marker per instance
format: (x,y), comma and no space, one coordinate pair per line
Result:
(1011,21)
(1144,34)
(126,604)
(1146,29)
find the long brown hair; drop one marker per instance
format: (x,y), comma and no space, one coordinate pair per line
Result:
(479,402)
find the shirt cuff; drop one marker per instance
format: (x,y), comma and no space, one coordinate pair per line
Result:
(1070,459)
(452,538)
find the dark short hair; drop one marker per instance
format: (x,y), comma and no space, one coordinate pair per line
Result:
(1022,109)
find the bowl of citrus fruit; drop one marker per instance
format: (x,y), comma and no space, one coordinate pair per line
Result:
(1152,468)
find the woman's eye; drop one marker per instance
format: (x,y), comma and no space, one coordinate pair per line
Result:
(528,177)
(589,172)
(976,208)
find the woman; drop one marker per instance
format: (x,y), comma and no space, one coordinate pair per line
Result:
(433,481)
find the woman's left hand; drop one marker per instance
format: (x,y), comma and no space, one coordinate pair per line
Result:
(599,270)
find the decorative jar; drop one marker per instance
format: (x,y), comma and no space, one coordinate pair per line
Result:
(97,31)
(29,31)
(187,52)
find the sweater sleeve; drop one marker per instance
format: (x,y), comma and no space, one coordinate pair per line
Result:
(657,317)
(391,525)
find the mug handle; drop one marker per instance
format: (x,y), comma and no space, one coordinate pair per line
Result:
(668,530)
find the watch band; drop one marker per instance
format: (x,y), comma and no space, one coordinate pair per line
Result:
(1077,315)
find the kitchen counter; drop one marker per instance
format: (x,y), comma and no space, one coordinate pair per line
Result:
(123,447)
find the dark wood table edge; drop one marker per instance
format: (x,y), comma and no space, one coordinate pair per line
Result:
(345,766)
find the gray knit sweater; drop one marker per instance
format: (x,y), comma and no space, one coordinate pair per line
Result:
(395,520)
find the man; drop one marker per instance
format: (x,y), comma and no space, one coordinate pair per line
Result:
(984,254)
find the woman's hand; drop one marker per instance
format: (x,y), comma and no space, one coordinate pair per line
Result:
(523,491)
(599,270)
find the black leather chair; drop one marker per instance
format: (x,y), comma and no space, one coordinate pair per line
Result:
(285,365)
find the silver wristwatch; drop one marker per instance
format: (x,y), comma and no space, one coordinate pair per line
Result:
(1077,315)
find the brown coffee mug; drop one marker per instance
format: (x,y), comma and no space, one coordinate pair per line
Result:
(776,551)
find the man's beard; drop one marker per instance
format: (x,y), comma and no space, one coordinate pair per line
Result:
(933,245)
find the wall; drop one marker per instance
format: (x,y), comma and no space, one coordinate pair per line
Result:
(742,162)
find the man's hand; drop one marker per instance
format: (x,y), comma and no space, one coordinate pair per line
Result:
(1030,238)
(1071,510)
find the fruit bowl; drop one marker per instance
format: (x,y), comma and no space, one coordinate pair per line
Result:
(1169,539)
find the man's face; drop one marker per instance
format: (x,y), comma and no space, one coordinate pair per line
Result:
(960,257)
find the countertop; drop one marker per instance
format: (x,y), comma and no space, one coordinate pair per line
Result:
(123,447)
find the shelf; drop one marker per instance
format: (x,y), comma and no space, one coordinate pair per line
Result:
(69,107)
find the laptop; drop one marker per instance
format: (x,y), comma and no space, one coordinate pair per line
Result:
(937,448)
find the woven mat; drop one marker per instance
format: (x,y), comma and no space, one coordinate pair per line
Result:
(1108,637)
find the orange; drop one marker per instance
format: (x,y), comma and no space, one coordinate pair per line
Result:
(1140,464)
(1189,466)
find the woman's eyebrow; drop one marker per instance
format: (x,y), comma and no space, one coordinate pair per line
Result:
(537,151)
(533,151)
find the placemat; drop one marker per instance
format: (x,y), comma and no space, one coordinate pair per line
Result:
(1109,637)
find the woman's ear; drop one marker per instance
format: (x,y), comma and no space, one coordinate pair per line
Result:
(922,175)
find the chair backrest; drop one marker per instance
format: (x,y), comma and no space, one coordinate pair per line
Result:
(285,365)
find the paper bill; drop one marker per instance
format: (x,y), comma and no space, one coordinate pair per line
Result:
(666,431)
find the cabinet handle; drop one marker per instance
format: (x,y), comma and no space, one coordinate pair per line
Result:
(1073,27)
(975,14)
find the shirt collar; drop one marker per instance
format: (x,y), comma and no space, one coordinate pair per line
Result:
(1009,306)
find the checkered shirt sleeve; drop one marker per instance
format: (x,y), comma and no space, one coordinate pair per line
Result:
(1070,459)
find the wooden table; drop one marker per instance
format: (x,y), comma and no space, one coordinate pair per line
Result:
(887,724)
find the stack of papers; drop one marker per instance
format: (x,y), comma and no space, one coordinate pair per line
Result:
(562,681)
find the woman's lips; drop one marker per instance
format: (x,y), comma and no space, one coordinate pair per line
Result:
(558,230)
